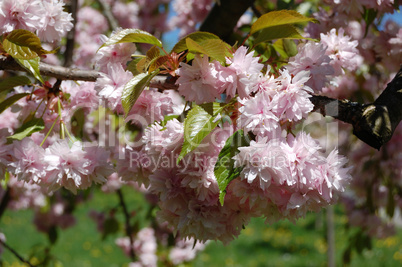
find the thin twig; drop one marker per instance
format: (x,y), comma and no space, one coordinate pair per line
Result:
(129,232)
(4,202)
(16,254)
(113,24)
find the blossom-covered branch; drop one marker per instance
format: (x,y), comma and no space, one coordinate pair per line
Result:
(372,123)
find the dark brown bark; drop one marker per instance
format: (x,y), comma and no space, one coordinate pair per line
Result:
(372,123)
(224,16)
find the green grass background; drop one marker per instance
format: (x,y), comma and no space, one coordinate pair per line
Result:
(280,244)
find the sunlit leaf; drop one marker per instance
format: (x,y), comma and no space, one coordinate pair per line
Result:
(197,125)
(133,89)
(278,32)
(28,128)
(277,18)
(132,36)
(23,44)
(224,168)
(196,37)
(214,48)
(31,65)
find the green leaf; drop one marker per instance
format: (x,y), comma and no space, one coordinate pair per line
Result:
(197,126)
(11,82)
(31,65)
(32,126)
(10,101)
(52,234)
(133,89)
(369,17)
(110,226)
(132,66)
(278,18)
(286,48)
(23,44)
(153,52)
(278,32)
(197,37)
(212,108)
(290,47)
(214,48)
(132,36)
(224,168)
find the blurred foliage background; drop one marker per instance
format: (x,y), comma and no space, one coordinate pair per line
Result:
(280,244)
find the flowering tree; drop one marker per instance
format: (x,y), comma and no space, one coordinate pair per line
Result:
(213,131)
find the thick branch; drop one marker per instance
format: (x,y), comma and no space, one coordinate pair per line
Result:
(372,123)
(224,16)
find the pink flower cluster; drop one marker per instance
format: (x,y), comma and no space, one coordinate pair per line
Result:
(144,246)
(71,166)
(44,17)
(288,177)
(204,82)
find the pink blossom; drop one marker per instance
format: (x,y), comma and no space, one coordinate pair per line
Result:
(241,74)
(9,120)
(25,194)
(342,51)
(165,140)
(197,82)
(116,54)
(127,14)
(188,14)
(257,115)
(185,250)
(23,14)
(56,22)
(99,167)
(264,161)
(144,247)
(110,85)
(65,166)
(135,166)
(292,102)
(90,22)
(82,95)
(150,106)
(28,164)
(311,57)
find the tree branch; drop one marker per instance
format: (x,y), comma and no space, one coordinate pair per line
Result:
(68,54)
(224,16)
(129,231)
(62,73)
(16,254)
(373,123)
(113,24)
